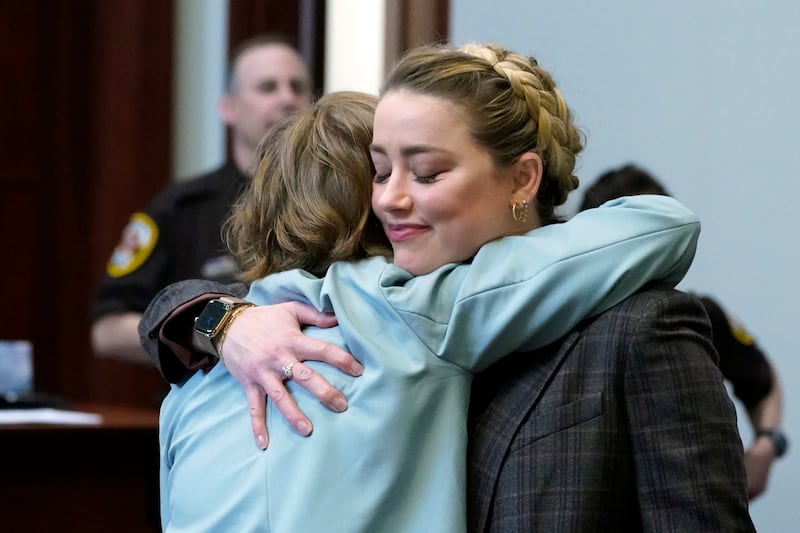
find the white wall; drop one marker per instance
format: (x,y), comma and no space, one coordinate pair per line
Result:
(201,42)
(704,93)
(354,43)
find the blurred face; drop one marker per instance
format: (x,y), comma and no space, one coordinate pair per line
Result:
(437,192)
(269,83)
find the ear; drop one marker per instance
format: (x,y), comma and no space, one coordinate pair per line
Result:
(528,172)
(226,107)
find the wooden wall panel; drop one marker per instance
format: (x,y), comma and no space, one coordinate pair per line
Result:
(20,169)
(19,133)
(249,17)
(24,138)
(85,133)
(18,210)
(61,350)
(411,23)
(129,154)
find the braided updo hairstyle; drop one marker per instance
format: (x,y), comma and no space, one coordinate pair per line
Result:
(512,105)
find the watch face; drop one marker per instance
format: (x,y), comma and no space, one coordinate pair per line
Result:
(208,321)
(780,442)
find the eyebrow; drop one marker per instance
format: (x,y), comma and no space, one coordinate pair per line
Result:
(277,79)
(410,150)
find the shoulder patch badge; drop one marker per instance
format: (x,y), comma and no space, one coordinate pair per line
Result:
(138,240)
(738,331)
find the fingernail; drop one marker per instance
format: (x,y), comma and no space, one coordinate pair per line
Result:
(357,369)
(304,428)
(339,405)
(262,442)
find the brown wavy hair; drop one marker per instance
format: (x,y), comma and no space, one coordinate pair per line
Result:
(308,204)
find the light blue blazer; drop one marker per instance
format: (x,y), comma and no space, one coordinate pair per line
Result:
(395,460)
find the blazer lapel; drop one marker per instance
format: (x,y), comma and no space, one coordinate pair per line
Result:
(503,396)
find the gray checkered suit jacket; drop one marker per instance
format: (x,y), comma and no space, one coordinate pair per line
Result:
(623,425)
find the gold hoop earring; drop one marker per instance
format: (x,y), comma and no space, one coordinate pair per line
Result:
(519,211)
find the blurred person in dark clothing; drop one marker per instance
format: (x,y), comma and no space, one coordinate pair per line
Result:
(742,362)
(177,236)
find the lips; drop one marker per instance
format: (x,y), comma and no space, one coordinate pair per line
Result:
(404,232)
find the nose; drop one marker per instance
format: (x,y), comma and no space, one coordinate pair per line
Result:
(294,98)
(392,194)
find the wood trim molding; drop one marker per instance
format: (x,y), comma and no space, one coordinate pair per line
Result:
(301,22)
(411,23)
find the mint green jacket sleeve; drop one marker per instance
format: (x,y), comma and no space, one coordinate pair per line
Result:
(521,293)
(517,293)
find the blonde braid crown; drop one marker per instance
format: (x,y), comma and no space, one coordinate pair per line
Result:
(512,104)
(558,140)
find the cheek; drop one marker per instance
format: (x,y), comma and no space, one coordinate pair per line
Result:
(463,206)
(374,202)
(444,211)
(478,219)
(262,102)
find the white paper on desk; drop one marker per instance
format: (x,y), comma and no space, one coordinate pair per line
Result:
(48,416)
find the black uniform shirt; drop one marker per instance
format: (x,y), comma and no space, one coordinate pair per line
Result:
(741,361)
(176,237)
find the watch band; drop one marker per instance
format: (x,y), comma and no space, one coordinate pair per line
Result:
(778,438)
(217,341)
(213,321)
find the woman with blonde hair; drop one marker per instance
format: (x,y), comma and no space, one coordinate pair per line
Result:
(472,152)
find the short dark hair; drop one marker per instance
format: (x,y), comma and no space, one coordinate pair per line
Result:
(627,180)
(261,39)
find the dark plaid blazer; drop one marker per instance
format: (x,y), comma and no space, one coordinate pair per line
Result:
(623,425)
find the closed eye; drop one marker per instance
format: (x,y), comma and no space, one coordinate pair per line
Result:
(427,179)
(267,87)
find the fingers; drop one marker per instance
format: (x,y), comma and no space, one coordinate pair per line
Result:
(257,401)
(308,349)
(265,340)
(319,387)
(309,316)
(288,408)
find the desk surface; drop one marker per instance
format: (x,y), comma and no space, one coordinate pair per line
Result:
(114,417)
(82,477)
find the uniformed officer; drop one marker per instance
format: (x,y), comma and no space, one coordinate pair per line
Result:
(177,236)
(754,380)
